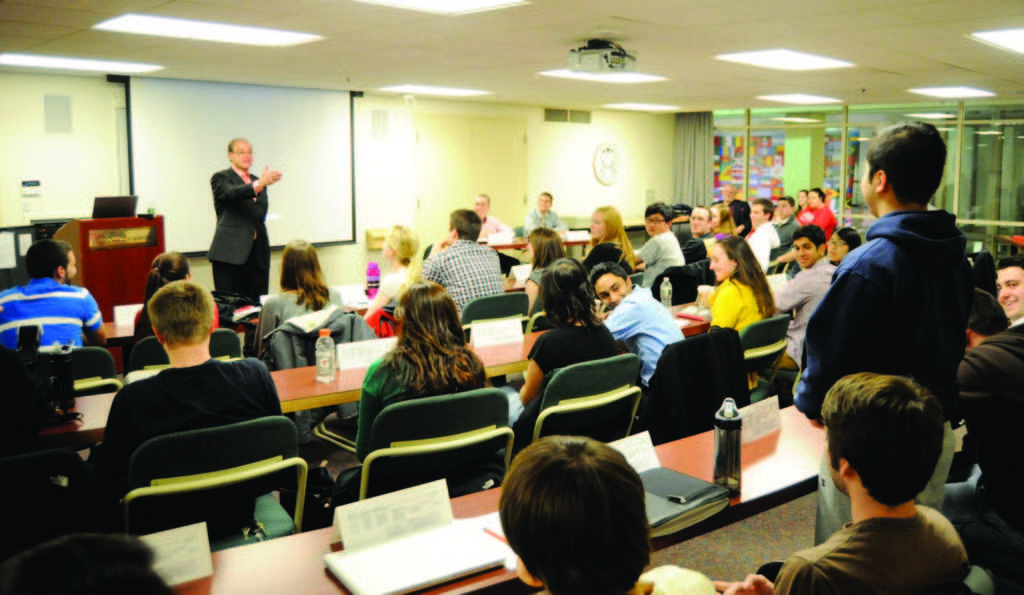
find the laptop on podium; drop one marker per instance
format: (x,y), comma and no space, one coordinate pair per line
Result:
(110,207)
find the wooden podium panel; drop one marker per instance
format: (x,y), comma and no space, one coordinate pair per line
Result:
(114,256)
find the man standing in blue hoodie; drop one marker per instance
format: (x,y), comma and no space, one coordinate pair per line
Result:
(899,303)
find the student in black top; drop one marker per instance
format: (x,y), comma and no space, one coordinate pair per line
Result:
(608,241)
(578,336)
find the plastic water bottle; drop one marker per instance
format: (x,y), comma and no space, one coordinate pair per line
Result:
(372,280)
(325,357)
(728,441)
(666,293)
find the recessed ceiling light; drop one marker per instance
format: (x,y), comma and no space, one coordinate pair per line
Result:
(952,92)
(931,116)
(141,24)
(448,6)
(1008,39)
(429,90)
(611,77)
(644,107)
(35,61)
(784,60)
(797,120)
(799,98)
(988,132)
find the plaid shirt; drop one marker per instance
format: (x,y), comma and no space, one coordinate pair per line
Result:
(467,270)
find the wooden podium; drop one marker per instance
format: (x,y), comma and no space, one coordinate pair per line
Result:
(114,256)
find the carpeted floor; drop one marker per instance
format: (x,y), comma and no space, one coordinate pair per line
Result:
(735,551)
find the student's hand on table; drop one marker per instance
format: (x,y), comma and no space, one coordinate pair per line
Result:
(754,584)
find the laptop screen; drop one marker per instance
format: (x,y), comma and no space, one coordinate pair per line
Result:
(109,207)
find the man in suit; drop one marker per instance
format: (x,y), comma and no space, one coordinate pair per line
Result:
(240,250)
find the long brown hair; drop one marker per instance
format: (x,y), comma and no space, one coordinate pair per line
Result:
(615,233)
(166,267)
(431,356)
(568,295)
(748,272)
(547,247)
(301,273)
(725,222)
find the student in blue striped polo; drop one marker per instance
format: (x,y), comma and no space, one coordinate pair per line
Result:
(63,311)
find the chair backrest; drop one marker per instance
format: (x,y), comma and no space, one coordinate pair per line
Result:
(225,343)
(694,251)
(538,322)
(463,438)
(211,474)
(502,305)
(637,278)
(48,494)
(592,398)
(764,341)
(148,352)
(684,284)
(93,370)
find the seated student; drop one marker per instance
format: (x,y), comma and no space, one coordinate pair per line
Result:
(801,295)
(662,250)
(817,212)
(399,249)
(577,336)
(543,216)
(763,238)
(1010,287)
(167,267)
(64,312)
(608,240)
(460,265)
(701,238)
(303,290)
(721,222)
(545,247)
(634,316)
(986,510)
(572,510)
(842,242)
(195,392)
(88,564)
(884,436)
(431,358)
(741,296)
(784,221)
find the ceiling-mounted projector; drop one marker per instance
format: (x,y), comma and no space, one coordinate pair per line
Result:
(602,57)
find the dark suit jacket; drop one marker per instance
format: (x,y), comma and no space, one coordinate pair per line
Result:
(239,218)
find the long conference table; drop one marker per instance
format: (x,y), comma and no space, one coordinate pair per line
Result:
(776,469)
(298,390)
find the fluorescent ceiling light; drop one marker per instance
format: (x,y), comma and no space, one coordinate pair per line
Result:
(141,24)
(988,132)
(448,6)
(863,139)
(796,120)
(799,98)
(611,77)
(931,116)
(428,90)
(76,63)
(644,107)
(1008,39)
(952,92)
(784,60)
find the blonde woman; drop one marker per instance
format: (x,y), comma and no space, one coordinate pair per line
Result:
(399,250)
(608,241)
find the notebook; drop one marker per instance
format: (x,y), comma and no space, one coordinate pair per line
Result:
(419,560)
(692,500)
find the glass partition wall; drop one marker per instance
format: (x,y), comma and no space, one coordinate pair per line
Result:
(772,152)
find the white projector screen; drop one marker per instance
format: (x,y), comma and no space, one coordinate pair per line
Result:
(180,134)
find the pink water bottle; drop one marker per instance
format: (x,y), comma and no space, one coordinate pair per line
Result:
(372,280)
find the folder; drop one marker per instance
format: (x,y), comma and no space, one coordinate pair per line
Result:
(676,501)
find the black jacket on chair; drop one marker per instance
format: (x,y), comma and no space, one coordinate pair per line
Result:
(692,379)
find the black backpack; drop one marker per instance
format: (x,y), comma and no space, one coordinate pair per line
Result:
(24,402)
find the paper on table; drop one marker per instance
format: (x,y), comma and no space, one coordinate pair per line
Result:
(353,296)
(363,353)
(581,235)
(497,332)
(8,254)
(521,272)
(501,238)
(125,315)
(181,555)
(369,522)
(761,419)
(639,451)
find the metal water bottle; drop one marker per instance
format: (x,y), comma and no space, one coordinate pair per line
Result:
(728,433)
(666,293)
(325,352)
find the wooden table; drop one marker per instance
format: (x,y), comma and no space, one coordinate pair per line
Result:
(776,469)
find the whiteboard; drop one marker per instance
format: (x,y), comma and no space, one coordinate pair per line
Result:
(180,132)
